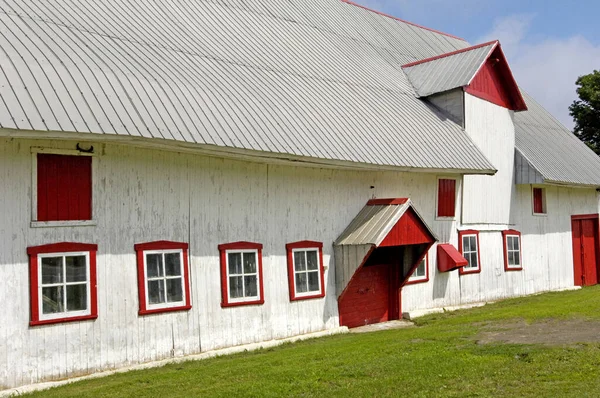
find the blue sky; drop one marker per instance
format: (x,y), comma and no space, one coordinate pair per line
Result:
(548,43)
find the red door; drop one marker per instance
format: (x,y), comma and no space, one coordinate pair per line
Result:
(585,249)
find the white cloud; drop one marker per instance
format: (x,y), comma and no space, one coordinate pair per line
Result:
(546,68)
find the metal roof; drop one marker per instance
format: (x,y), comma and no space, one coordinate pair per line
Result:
(448,71)
(373,223)
(552,150)
(299,78)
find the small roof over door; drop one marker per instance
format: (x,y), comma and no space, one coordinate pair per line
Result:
(380,223)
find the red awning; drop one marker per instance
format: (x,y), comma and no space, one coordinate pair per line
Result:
(448,258)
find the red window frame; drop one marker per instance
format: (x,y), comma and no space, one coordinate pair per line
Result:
(538,198)
(446,198)
(462,270)
(63,187)
(304,244)
(422,280)
(161,245)
(241,246)
(34,283)
(512,232)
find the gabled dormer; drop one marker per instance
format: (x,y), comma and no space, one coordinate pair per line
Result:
(480,70)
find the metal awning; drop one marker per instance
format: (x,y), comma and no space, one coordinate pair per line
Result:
(448,258)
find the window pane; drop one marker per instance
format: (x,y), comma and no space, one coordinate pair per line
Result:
(235,263)
(300,261)
(420,271)
(466,246)
(516,243)
(509,243)
(173,264)
(517,258)
(52,270)
(473,261)
(235,287)
(154,264)
(251,284)
(311,260)
(156,292)
(249,263)
(473,240)
(77,297)
(52,300)
(313,281)
(174,290)
(301,283)
(76,269)
(511,258)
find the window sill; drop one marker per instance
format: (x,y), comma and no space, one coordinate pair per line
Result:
(508,269)
(63,320)
(241,303)
(438,218)
(312,296)
(58,224)
(161,310)
(539,214)
(416,281)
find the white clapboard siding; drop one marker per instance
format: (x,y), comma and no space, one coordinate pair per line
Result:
(487,198)
(143,195)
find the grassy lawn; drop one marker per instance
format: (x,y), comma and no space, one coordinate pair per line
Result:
(443,356)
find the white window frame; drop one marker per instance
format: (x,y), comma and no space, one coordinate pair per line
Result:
(508,265)
(166,304)
(318,271)
(34,195)
(423,278)
(457,187)
(468,267)
(232,300)
(65,314)
(544,202)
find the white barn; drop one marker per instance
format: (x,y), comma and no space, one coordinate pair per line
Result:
(179,177)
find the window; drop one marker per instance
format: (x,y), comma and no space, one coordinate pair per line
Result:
(446,198)
(305,270)
(468,245)
(163,277)
(512,250)
(62,282)
(421,273)
(241,274)
(539,200)
(62,187)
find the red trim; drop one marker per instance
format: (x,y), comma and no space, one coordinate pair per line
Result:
(140,248)
(240,246)
(585,217)
(449,258)
(387,202)
(512,232)
(464,50)
(305,244)
(446,198)
(461,270)
(538,201)
(63,247)
(408,281)
(401,20)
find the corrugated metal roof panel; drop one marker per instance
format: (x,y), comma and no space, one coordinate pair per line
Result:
(448,72)
(295,77)
(558,155)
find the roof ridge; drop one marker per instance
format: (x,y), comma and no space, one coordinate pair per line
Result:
(444,55)
(401,20)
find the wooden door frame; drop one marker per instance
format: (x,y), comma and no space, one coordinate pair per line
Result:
(582,217)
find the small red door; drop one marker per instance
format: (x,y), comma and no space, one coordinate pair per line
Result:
(585,249)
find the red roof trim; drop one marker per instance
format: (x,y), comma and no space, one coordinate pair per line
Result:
(401,20)
(464,50)
(387,202)
(519,101)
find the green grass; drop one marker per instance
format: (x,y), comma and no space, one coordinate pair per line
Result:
(440,357)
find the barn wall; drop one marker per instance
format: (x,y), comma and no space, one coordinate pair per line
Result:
(144,195)
(487,198)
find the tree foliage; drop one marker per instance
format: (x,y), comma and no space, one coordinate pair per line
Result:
(586,110)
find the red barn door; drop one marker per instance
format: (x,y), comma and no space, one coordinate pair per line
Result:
(585,249)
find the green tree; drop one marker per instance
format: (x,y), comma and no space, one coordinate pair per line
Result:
(586,110)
